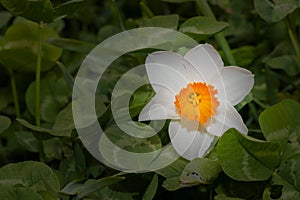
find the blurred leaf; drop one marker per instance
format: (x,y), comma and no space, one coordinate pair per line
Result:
(20,193)
(202,26)
(244,102)
(277,122)
(91,186)
(5,123)
(72,45)
(177,1)
(68,7)
(152,188)
(64,119)
(246,159)
(5,17)
(108,193)
(280,189)
(165,21)
(19,48)
(244,55)
(199,171)
(53,132)
(54,96)
(72,188)
(28,140)
(37,11)
(287,63)
(275,10)
(29,175)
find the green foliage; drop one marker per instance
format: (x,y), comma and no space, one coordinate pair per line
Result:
(55,35)
(28,179)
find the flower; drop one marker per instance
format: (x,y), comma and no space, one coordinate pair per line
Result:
(198,93)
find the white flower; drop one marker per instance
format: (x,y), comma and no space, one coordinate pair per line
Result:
(198,93)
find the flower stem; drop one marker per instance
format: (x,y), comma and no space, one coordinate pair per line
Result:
(294,41)
(220,38)
(38,77)
(15,93)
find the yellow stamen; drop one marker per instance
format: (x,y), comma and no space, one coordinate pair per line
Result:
(197,102)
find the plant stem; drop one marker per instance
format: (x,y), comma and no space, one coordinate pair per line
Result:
(38,77)
(15,93)
(220,38)
(294,41)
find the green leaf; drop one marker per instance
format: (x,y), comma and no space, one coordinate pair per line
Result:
(28,140)
(202,26)
(19,48)
(68,7)
(64,119)
(5,17)
(177,1)
(92,186)
(37,11)
(287,63)
(5,123)
(54,96)
(72,188)
(246,159)
(20,193)
(199,171)
(278,121)
(165,21)
(273,11)
(53,132)
(172,173)
(152,188)
(280,189)
(31,175)
(72,45)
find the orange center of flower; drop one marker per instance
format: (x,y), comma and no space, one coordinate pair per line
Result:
(197,102)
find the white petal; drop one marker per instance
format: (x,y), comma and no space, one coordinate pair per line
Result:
(189,143)
(160,107)
(236,81)
(171,70)
(227,117)
(206,59)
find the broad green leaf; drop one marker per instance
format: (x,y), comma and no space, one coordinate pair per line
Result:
(275,10)
(37,11)
(151,190)
(19,48)
(92,186)
(20,193)
(177,1)
(64,119)
(290,172)
(53,132)
(202,26)
(54,96)
(5,123)
(246,159)
(28,140)
(172,184)
(165,21)
(199,171)
(278,121)
(287,63)
(31,175)
(280,189)
(72,45)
